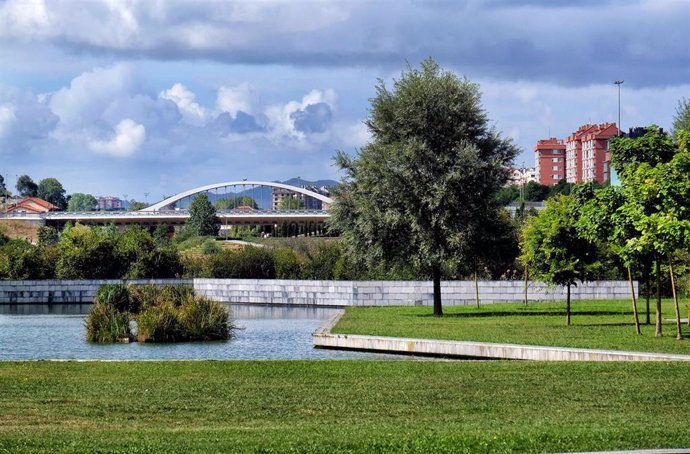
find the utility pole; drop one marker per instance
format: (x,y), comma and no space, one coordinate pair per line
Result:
(619,83)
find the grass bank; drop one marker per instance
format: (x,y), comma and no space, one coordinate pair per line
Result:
(595,324)
(346,406)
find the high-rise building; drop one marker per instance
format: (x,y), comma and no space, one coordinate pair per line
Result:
(549,161)
(595,157)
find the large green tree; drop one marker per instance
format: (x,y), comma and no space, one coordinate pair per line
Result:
(51,190)
(652,148)
(424,189)
(26,186)
(202,217)
(82,202)
(232,203)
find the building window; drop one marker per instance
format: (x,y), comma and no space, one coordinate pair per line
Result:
(556,152)
(555,177)
(555,159)
(556,168)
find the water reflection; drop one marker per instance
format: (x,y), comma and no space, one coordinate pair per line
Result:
(57,331)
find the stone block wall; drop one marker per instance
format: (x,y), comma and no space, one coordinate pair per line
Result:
(321,293)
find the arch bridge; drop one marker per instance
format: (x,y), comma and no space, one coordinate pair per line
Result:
(171,202)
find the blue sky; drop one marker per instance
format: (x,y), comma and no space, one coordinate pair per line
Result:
(121,97)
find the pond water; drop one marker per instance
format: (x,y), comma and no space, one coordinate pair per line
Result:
(33,332)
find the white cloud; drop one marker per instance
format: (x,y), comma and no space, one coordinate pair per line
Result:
(185,100)
(281,118)
(234,99)
(7,120)
(127,139)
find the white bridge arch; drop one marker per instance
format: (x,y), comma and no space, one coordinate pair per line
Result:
(170,200)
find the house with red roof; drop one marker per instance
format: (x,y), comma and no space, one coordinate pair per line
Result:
(31,205)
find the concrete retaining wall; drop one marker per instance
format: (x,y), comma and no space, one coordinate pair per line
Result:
(321,293)
(467,349)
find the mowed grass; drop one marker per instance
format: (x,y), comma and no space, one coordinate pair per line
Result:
(342,406)
(594,324)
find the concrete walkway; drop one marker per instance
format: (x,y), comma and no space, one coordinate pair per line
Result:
(323,338)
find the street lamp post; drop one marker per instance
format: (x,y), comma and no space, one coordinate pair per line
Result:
(619,83)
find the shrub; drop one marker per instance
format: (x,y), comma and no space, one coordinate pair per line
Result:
(210,246)
(175,294)
(287,264)
(203,319)
(21,260)
(106,324)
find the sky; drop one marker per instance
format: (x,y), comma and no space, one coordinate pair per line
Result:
(116,97)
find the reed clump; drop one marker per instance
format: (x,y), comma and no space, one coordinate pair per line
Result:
(169,313)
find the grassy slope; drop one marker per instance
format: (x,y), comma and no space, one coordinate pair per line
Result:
(19,229)
(595,324)
(341,406)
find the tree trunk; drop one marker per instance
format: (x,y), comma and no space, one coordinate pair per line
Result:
(436,274)
(527,284)
(648,290)
(634,303)
(658,298)
(476,288)
(679,332)
(567,306)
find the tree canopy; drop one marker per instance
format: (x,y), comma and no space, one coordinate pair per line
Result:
(681,121)
(234,202)
(406,196)
(51,190)
(82,202)
(26,186)
(202,217)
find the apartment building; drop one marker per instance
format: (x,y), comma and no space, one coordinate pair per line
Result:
(549,161)
(583,155)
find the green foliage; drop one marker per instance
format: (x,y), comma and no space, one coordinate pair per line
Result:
(561,188)
(4,239)
(325,263)
(202,217)
(26,186)
(652,148)
(203,319)
(171,313)
(507,194)
(210,246)
(3,188)
(140,256)
(681,120)
(535,192)
(291,203)
(86,253)
(553,248)
(21,260)
(82,202)
(51,190)
(288,264)
(48,236)
(405,198)
(247,263)
(229,204)
(106,324)
(115,295)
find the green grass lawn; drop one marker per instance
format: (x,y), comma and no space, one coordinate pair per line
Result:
(346,406)
(595,324)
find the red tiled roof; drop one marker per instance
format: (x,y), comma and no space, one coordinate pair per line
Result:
(25,203)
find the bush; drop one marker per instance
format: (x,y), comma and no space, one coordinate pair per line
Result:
(143,296)
(106,324)
(159,323)
(21,260)
(210,246)
(287,264)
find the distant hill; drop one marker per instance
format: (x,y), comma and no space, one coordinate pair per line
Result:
(264,195)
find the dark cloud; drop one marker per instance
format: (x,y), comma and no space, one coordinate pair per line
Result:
(566,42)
(243,123)
(312,119)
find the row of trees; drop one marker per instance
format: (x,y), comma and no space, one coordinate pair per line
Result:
(532,192)
(644,223)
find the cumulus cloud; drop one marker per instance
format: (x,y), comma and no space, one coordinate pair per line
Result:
(7,120)
(126,139)
(185,100)
(234,99)
(300,119)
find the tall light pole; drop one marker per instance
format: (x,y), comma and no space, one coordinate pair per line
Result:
(619,83)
